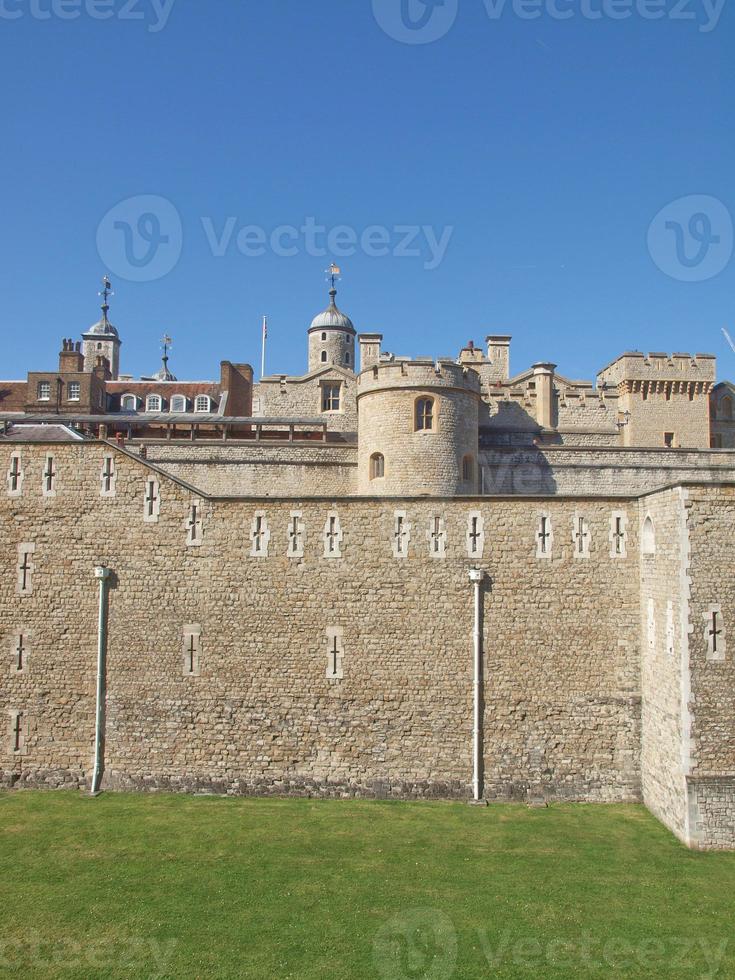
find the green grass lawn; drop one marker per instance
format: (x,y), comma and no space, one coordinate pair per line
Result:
(177,886)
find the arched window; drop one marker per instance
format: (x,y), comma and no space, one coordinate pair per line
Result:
(324,336)
(179,403)
(377,466)
(324,357)
(648,537)
(468,468)
(129,403)
(203,403)
(726,407)
(153,403)
(347,357)
(424,414)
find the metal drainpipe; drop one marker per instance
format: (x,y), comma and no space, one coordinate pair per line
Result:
(102,575)
(476,577)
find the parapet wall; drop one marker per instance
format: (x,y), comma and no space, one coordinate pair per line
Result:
(635,366)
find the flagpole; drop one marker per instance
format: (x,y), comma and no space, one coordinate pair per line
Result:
(265,334)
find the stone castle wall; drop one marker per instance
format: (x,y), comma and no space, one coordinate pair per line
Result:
(712,780)
(597,469)
(260,469)
(664,612)
(261,712)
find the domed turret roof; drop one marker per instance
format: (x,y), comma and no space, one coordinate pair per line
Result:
(332,318)
(103,328)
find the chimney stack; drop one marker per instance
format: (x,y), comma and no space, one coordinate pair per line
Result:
(543,375)
(369,349)
(498,353)
(71,360)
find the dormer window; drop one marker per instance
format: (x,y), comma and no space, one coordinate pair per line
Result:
(129,403)
(179,403)
(153,403)
(203,403)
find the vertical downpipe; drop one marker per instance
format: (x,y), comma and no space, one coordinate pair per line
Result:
(102,575)
(476,577)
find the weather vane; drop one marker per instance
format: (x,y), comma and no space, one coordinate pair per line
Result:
(166,342)
(334,274)
(106,293)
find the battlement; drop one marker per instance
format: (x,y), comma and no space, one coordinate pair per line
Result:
(419,373)
(657,366)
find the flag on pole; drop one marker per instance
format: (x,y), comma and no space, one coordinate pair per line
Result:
(265,335)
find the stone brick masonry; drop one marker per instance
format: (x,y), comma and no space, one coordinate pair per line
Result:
(347,668)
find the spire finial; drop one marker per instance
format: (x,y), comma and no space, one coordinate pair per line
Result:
(334,274)
(105,294)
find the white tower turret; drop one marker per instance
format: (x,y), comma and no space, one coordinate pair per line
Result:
(331,334)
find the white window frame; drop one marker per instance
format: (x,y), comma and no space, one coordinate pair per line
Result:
(173,403)
(135,402)
(151,408)
(44,386)
(75,386)
(331,385)
(201,398)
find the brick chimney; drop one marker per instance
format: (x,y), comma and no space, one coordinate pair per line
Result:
(71,359)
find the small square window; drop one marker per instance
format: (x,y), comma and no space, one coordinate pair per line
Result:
(669,440)
(330,398)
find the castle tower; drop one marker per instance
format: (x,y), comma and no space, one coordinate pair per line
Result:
(663,398)
(418,429)
(102,339)
(331,334)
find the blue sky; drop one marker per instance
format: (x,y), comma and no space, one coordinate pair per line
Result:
(540,149)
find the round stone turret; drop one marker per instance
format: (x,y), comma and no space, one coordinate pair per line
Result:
(418,429)
(332,338)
